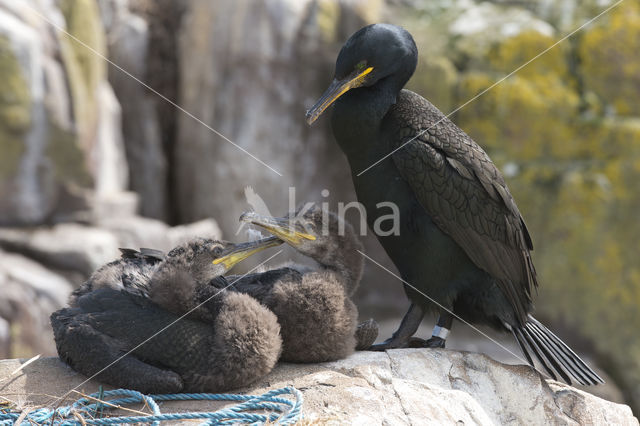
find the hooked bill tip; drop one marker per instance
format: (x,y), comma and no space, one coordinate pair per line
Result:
(248,216)
(311,117)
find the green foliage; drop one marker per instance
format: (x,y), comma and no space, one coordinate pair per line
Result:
(520,119)
(67,158)
(435,79)
(515,51)
(83,23)
(590,267)
(15,110)
(83,65)
(609,56)
(328,18)
(67,150)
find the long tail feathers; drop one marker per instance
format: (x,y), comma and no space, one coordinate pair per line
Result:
(553,354)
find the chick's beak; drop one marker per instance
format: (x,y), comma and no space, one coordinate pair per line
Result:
(239,252)
(336,89)
(283,228)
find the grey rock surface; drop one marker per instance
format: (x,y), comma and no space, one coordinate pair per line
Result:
(30,293)
(254,87)
(111,171)
(59,121)
(84,248)
(128,44)
(66,246)
(407,386)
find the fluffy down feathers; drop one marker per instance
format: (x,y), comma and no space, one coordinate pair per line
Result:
(317,319)
(241,344)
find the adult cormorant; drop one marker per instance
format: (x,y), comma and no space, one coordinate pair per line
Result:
(462,242)
(229,341)
(314,308)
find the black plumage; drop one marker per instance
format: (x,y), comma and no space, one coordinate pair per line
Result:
(462,243)
(234,342)
(131,272)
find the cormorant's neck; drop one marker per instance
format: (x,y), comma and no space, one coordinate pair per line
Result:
(350,277)
(347,263)
(358,113)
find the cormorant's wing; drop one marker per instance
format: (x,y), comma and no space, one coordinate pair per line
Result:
(130,272)
(152,255)
(465,195)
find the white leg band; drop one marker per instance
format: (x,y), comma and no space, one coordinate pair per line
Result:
(440,332)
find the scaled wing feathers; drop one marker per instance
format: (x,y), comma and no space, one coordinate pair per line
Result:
(465,195)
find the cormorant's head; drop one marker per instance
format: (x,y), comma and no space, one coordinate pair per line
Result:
(374,52)
(191,271)
(226,255)
(317,233)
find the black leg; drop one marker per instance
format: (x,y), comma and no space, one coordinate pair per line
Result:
(402,336)
(440,332)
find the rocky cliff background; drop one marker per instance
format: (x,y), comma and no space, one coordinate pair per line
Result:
(95,155)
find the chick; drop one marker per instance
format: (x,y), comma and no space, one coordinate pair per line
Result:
(316,315)
(173,329)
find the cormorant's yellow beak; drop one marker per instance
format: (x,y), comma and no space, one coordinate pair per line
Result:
(336,89)
(282,228)
(240,252)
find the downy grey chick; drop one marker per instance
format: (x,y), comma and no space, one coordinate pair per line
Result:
(314,309)
(227,342)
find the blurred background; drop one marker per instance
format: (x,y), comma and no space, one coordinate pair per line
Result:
(92,160)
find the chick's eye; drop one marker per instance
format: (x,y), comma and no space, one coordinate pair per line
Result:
(360,66)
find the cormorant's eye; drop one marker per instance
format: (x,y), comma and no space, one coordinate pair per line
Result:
(360,66)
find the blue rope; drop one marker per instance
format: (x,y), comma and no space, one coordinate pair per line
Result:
(275,409)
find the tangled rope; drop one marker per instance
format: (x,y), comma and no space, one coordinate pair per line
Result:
(272,407)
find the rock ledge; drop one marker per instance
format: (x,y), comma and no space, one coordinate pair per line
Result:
(408,386)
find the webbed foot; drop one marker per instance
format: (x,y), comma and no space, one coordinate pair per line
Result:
(417,342)
(402,336)
(434,342)
(412,342)
(391,343)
